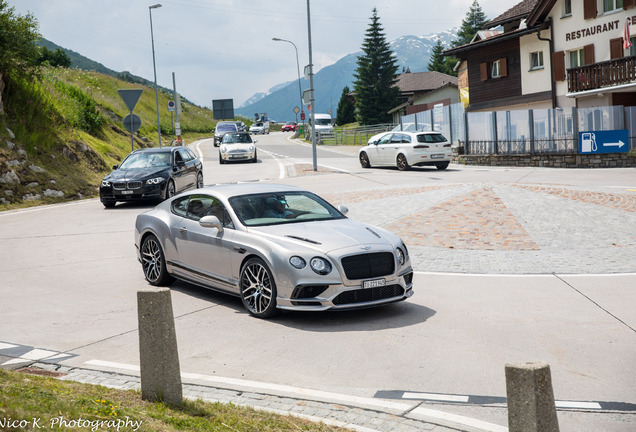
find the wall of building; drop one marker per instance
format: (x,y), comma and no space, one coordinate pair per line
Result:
(575,32)
(537,80)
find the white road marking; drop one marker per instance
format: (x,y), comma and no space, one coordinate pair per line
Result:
(453,419)
(434,396)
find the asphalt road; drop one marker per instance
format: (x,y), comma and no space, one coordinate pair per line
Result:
(70,276)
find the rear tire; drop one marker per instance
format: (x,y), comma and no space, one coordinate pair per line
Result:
(364,160)
(402,163)
(442,166)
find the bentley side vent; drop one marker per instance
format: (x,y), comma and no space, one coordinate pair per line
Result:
(304,239)
(374,233)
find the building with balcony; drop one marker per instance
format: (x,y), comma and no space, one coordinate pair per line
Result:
(552,54)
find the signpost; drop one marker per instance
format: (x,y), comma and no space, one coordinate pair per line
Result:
(595,142)
(132,122)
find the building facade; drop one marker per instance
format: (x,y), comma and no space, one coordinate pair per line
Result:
(553,54)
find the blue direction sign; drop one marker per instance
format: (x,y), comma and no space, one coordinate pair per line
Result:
(614,141)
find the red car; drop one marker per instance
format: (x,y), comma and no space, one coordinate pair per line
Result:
(289,127)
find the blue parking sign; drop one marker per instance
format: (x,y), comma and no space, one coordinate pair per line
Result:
(614,141)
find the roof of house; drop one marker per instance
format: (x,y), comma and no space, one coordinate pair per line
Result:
(424,81)
(517,12)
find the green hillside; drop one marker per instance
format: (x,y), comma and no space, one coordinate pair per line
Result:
(61,133)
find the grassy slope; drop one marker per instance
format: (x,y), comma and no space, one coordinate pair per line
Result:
(48,120)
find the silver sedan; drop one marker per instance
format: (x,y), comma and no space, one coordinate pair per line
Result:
(275,246)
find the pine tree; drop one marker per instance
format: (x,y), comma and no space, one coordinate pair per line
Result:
(346,110)
(376,75)
(474,21)
(437,62)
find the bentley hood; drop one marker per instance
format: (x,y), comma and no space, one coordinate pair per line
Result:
(329,236)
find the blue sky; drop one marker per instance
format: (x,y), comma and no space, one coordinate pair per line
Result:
(222,49)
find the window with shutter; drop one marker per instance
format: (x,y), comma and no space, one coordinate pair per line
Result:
(558,65)
(616,48)
(483,71)
(503,67)
(589,9)
(589,54)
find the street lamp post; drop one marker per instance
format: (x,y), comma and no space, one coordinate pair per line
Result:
(300,93)
(154,67)
(312,95)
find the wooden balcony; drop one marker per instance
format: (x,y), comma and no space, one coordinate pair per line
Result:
(602,75)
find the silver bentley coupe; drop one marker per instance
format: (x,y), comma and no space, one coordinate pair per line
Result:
(277,247)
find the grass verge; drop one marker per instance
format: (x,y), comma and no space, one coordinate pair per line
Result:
(31,402)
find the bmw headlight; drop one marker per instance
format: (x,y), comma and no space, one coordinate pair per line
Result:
(320,266)
(155,180)
(297,262)
(105,183)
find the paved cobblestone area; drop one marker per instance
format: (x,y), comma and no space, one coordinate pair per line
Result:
(505,228)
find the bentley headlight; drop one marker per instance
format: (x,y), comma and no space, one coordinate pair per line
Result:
(155,180)
(297,262)
(401,256)
(320,265)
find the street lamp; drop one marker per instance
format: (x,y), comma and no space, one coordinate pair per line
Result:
(154,67)
(300,93)
(311,90)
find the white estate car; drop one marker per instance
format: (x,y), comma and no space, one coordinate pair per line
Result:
(237,146)
(406,149)
(406,127)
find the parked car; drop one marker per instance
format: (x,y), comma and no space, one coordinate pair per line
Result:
(406,127)
(221,129)
(406,149)
(259,128)
(237,146)
(289,127)
(152,174)
(277,247)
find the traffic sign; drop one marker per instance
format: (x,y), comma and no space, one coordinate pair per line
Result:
(296,109)
(130,97)
(302,115)
(613,141)
(132,122)
(171,106)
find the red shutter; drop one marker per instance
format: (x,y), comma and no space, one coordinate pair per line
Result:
(588,52)
(628,4)
(589,9)
(503,67)
(616,48)
(483,71)
(558,66)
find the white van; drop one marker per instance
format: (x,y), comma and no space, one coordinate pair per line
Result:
(323,123)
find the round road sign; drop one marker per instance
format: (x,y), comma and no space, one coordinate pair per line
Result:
(132,122)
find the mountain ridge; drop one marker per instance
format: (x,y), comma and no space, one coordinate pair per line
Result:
(412,53)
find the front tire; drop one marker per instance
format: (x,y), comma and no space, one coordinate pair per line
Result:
(258,289)
(170,190)
(402,163)
(109,203)
(153,262)
(254,160)
(364,160)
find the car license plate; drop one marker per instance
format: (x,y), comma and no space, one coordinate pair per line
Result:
(126,192)
(437,156)
(374,283)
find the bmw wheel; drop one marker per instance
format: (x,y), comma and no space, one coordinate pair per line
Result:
(199,180)
(258,289)
(364,160)
(153,262)
(109,203)
(402,163)
(170,190)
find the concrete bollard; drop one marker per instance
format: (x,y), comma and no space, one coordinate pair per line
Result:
(159,357)
(531,406)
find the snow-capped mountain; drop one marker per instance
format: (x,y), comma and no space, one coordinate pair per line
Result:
(412,52)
